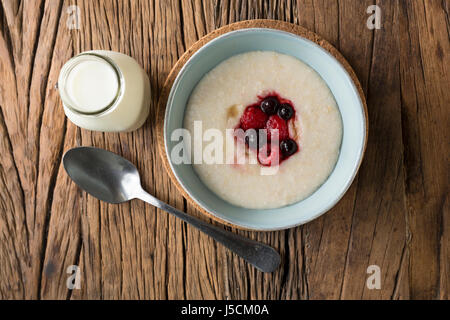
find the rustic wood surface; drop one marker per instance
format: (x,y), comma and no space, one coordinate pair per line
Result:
(395,215)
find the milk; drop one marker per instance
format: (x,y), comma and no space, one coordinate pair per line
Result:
(104,91)
(92,85)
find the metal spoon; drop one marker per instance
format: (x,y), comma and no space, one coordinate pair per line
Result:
(111,178)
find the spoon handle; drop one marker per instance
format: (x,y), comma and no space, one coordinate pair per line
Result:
(262,256)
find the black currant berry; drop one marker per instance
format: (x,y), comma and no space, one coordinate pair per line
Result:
(270,105)
(288,147)
(285,111)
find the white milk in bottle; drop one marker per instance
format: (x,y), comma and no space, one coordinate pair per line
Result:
(104,91)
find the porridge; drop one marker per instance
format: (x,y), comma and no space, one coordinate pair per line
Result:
(272,91)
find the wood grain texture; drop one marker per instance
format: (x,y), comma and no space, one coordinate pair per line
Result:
(395,215)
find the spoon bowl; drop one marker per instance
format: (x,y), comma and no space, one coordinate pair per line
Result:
(103,174)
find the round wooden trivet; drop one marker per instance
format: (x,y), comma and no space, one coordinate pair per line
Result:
(262,23)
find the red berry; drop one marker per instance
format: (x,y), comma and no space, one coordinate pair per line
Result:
(253,118)
(276,123)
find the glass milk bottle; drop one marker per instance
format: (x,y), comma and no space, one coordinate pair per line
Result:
(104,91)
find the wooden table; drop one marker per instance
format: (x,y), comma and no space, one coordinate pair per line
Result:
(395,215)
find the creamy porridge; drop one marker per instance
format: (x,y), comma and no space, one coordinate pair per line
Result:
(267,89)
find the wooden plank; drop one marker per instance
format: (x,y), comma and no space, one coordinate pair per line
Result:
(26,60)
(378,222)
(424,69)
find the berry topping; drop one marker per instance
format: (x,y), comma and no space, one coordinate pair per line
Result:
(285,111)
(270,105)
(276,123)
(261,121)
(269,158)
(253,118)
(288,147)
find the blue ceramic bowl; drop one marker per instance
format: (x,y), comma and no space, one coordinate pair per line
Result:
(338,80)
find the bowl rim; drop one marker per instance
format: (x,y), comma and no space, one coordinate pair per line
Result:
(355,85)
